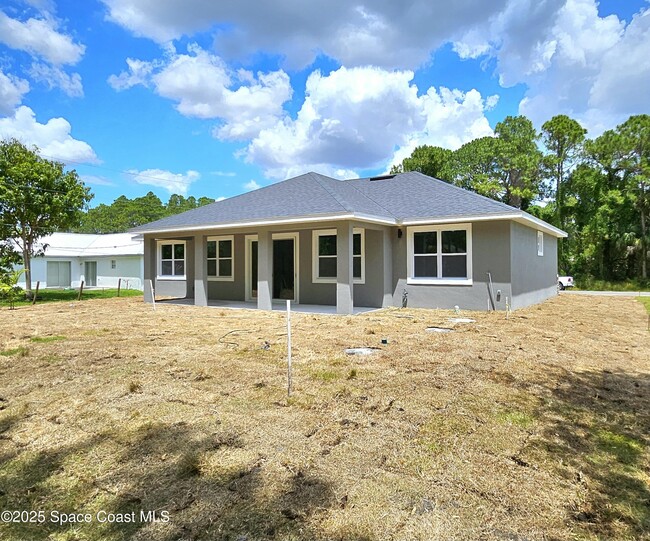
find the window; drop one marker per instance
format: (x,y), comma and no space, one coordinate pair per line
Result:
(324,256)
(221,263)
(440,255)
(540,243)
(113,264)
(172,259)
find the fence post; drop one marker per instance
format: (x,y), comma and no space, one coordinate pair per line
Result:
(81,290)
(38,285)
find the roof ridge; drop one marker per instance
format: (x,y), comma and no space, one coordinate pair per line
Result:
(336,196)
(351,181)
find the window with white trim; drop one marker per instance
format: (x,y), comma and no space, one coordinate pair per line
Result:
(221,261)
(324,256)
(171,261)
(540,243)
(440,254)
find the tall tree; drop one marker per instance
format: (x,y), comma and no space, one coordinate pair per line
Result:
(563,138)
(475,167)
(518,160)
(37,198)
(428,160)
(636,136)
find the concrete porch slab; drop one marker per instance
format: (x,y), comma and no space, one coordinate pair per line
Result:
(277,305)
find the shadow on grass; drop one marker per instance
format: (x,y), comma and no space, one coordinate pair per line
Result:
(161,468)
(598,429)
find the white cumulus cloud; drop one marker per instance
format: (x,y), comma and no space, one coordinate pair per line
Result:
(572,60)
(12,90)
(174,183)
(203,86)
(40,37)
(53,138)
(361,117)
(252,185)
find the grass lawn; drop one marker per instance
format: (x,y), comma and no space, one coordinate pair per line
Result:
(70,295)
(590,284)
(535,427)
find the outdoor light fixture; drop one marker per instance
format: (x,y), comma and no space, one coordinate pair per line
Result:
(399,233)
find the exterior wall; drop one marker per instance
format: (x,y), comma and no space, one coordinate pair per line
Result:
(127,267)
(490,253)
(311,293)
(232,291)
(534,278)
(505,249)
(164,287)
(369,294)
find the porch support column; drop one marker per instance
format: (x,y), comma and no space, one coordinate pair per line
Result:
(387,266)
(344,270)
(200,272)
(264,270)
(149,264)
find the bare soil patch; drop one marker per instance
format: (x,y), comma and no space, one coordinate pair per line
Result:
(534,427)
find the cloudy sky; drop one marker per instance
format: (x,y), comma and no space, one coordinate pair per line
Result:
(214,98)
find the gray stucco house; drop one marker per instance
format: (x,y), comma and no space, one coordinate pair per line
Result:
(360,242)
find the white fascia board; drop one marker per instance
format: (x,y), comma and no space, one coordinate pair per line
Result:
(522,218)
(536,223)
(278,221)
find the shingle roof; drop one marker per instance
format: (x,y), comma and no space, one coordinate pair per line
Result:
(396,199)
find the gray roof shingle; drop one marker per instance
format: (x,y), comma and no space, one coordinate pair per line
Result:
(403,197)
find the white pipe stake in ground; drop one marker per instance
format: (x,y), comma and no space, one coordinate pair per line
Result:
(153,295)
(288,348)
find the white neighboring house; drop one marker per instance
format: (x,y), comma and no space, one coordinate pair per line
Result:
(97,260)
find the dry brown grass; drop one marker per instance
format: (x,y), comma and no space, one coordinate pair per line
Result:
(534,427)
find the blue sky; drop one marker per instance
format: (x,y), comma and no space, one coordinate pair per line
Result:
(212,99)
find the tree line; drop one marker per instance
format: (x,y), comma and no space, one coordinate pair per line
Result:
(124,214)
(594,189)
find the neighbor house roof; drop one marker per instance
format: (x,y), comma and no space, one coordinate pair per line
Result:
(87,245)
(401,199)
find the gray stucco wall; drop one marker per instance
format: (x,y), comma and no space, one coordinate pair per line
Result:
(311,293)
(166,288)
(368,294)
(490,253)
(507,250)
(236,290)
(534,278)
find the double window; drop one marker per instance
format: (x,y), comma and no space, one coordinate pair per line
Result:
(325,256)
(221,263)
(440,254)
(172,259)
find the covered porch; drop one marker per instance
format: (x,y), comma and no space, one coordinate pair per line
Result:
(342,267)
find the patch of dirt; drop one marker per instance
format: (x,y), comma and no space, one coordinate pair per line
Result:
(532,427)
